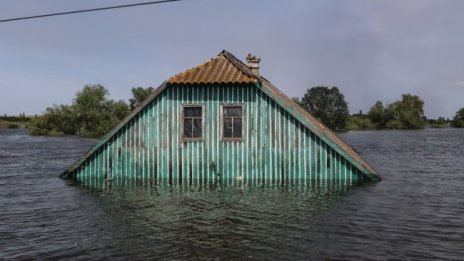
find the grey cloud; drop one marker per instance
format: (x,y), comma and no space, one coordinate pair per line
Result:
(372,50)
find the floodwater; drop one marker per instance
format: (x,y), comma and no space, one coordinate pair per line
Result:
(415,212)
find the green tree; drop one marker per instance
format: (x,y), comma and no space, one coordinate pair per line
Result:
(60,118)
(113,112)
(458,120)
(328,105)
(407,113)
(380,115)
(95,114)
(356,122)
(439,123)
(92,114)
(89,106)
(139,94)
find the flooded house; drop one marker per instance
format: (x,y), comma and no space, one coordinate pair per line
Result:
(221,120)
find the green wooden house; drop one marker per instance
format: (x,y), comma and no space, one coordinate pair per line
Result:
(221,120)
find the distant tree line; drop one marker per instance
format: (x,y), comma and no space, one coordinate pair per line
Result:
(91,114)
(441,122)
(15,118)
(329,106)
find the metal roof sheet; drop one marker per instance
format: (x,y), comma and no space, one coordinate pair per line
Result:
(220,69)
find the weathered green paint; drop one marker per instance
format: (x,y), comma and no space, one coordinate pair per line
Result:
(278,146)
(286,103)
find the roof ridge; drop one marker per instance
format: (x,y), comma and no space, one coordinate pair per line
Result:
(239,64)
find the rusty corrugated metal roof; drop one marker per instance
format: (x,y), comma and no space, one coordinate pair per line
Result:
(220,69)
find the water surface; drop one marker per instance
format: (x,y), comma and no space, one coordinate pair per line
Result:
(414,213)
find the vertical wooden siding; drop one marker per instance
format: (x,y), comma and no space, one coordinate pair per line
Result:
(276,148)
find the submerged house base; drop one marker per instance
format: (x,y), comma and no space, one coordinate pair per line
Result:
(329,185)
(221,120)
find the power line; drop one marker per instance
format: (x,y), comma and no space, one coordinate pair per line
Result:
(87,10)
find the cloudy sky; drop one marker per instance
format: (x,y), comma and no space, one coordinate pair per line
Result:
(371,50)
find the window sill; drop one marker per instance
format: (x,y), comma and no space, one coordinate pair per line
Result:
(233,140)
(193,140)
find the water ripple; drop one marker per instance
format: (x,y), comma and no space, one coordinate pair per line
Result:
(414,213)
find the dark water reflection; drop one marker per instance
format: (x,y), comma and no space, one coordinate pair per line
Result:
(414,213)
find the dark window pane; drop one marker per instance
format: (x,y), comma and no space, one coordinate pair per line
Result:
(232,111)
(192,111)
(188,128)
(227,128)
(197,112)
(237,128)
(196,128)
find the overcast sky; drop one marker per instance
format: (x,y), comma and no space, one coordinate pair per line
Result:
(371,50)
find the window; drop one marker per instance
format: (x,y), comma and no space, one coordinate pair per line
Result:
(193,121)
(232,122)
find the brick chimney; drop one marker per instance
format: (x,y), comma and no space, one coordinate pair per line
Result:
(253,63)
